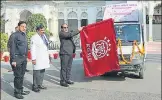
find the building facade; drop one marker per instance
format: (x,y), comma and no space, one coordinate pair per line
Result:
(74,13)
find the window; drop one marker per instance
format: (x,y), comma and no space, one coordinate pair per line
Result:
(128,32)
(84,22)
(98,20)
(156,19)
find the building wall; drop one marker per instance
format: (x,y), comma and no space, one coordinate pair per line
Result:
(156,30)
(51,11)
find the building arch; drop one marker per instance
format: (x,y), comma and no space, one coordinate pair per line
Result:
(72,15)
(99,16)
(84,19)
(60,15)
(84,15)
(24,15)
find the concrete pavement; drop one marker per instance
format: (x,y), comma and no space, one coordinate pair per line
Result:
(153,47)
(96,88)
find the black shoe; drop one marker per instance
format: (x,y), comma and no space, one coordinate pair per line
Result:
(64,84)
(26,70)
(19,96)
(25,92)
(42,87)
(69,82)
(36,89)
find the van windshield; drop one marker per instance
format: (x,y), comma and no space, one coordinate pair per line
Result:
(128,32)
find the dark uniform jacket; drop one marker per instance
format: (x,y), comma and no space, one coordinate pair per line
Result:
(67,45)
(9,41)
(18,45)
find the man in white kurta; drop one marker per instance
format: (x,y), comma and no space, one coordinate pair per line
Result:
(40,57)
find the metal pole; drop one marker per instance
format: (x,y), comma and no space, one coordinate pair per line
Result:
(144,21)
(144,26)
(151,12)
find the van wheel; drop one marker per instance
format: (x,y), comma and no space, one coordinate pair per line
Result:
(141,73)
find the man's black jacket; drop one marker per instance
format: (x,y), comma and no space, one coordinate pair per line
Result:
(67,45)
(18,45)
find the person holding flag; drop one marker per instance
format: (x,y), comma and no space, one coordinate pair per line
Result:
(67,49)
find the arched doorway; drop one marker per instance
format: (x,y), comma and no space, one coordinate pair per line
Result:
(24,15)
(72,21)
(60,20)
(99,16)
(84,19)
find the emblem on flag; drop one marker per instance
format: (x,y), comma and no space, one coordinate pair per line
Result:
(101,48)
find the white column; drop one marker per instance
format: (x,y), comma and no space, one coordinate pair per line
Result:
(150,27)
(151,12)
(144,21)
(79,23)
(56,28)
(52,27)
(66,21)
(144,26)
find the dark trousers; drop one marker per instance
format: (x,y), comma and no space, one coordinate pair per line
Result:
(66,64)
(38,76)
(19,72)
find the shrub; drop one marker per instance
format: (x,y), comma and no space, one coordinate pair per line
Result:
(4,40)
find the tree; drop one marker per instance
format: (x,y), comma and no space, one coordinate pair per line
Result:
(34,20)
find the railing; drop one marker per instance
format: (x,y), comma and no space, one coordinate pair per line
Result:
(76,40)
(54,45)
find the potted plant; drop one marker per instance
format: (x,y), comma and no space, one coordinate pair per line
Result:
(55,55)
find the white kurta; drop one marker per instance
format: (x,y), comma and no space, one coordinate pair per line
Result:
(39,52)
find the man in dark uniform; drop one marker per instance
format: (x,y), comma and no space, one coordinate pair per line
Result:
(9,42)
(18,58)
(67,48)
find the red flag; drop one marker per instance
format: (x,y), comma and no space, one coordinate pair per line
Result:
(99,49)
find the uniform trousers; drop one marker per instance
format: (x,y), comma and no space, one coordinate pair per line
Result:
(66,65)
(38,76)
(19,72)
